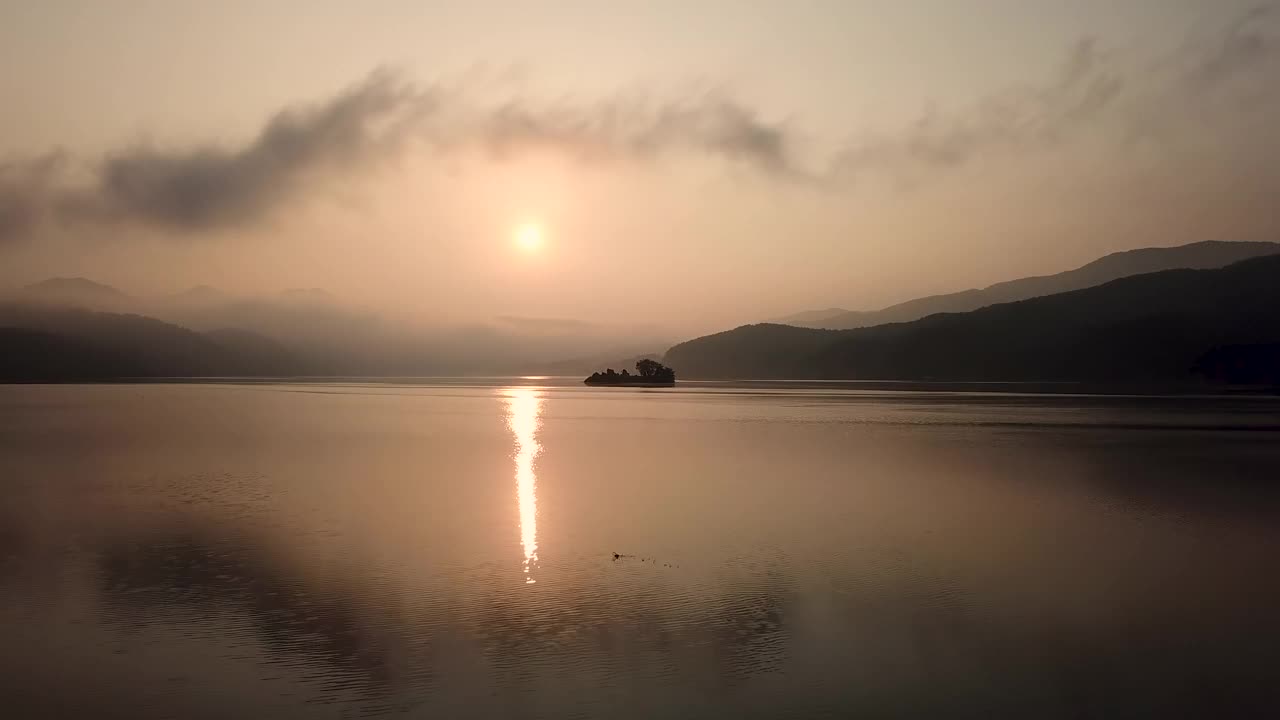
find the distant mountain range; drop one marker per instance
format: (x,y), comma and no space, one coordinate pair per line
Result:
(1220,322)
(811,318)
(75,292)
(43,344)
(1201,255)
(78,329)
(1154,327)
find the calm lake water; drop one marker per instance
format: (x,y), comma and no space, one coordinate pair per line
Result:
(447,550)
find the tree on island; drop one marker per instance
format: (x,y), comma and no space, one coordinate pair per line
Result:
(651,372)
(655,371)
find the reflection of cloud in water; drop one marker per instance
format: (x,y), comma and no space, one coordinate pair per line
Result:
(524,415)
(404,641)
(897,638)
(200,576)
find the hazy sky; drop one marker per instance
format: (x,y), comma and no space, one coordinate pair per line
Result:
(698,164)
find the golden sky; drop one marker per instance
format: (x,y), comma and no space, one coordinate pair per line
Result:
(693,164)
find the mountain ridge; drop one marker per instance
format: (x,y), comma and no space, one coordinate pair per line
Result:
(1206,254)
(1147,327)
(102,345)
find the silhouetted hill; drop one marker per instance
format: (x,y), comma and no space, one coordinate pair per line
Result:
(1151,327)
(263,338)
(1201,255)
(43,343)
(255,354)
(1242,364)
(750,352)
(39,356)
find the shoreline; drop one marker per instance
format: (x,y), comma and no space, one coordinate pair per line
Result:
(1012,388)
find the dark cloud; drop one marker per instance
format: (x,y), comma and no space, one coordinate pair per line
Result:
(213,187)
(711,124)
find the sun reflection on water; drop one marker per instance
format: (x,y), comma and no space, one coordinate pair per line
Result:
(524,416)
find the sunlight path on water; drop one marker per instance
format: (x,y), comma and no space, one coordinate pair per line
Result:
(524,415)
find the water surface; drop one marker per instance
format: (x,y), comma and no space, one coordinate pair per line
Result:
(448,550)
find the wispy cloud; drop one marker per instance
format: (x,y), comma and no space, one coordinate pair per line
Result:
(1247,43)
(26,188)
(1018,118)
(200,189)
(210,188)
(712,123)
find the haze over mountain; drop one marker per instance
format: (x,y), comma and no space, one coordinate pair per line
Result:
(1151,326)
(845,154)
(1208,254)
(206,331)
(1154,327)
(810,318)
(198,296)
(44,343)
(444,198)
(73,292)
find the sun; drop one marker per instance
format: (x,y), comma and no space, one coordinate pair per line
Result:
(529,237)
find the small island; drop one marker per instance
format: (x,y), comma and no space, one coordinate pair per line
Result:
(651,373)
